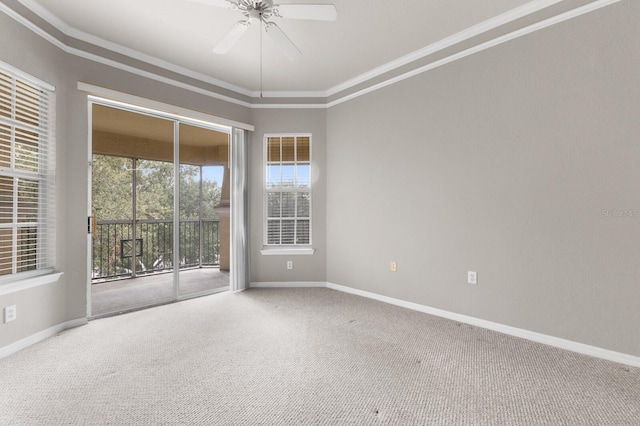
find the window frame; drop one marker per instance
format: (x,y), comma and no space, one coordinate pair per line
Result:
(43,176)
(284,249)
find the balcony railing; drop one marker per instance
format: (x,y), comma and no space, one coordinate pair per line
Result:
(113,247)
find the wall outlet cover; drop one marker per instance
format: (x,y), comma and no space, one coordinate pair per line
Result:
(472,277)
(10,313)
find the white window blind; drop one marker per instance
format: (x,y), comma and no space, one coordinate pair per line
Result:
(288,190)
(26,176)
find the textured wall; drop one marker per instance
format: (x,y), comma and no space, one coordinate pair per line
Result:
(502,163)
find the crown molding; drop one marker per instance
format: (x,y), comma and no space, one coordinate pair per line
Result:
(505,18)
(289,94)
(490,24)
(105,61)
(131,53)
(478,48)
(320,105)
(322,96)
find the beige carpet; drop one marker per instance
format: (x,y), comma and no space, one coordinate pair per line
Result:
(305,357)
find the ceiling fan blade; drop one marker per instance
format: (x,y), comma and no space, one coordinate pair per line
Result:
(280,38)
(231,37)
(219,3)
(315,12)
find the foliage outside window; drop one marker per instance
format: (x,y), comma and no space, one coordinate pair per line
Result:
(113,205)
(288,190)
(26,178)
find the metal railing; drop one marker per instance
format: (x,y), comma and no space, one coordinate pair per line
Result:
(113,247)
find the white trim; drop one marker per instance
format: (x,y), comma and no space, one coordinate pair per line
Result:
(127,100)
(322,105)
(290,134)
(89,203)
(99,59)
(505,18)
(156,77)
(478,48)
(26,283)
(293,251)
(31,26)
(290,94)
(501,328)
(545,339)
(40,336)
(466,34)
(287,284)
(176,209)
(126,51)
(490,24)
(286,249)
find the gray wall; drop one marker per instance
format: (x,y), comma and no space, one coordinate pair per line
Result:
(501,163)
(41,307)
(306,268)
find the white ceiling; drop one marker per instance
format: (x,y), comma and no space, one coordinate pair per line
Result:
(367,35)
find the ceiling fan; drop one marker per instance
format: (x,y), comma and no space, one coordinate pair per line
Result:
(263,11)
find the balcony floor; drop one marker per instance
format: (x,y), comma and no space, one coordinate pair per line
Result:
(123,295)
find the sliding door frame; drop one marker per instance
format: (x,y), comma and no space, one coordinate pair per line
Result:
(238,139)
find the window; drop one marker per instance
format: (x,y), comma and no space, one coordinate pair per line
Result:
(288,190)
(26,179)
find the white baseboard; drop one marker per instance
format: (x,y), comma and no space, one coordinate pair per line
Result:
(287,284)
(39,336)
(512,331)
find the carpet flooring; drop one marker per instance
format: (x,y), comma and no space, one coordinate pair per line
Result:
(310,356)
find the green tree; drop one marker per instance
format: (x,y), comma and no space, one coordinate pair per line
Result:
(111,187)
(190,194)
(154,197)
(112,200)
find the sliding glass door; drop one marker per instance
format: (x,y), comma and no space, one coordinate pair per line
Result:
(204,177)
(161,227)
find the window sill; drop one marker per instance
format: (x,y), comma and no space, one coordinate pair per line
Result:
(286,251)
(25,283)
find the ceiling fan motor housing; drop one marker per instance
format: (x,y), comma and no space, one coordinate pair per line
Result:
(262,11)
(256,9)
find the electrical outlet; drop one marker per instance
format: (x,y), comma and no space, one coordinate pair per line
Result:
(394,266)
(289,264)
(10,313)
(472,277)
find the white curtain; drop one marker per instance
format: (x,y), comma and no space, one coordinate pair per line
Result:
(239,217)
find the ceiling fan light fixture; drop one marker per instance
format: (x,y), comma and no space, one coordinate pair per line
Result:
(252,9)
